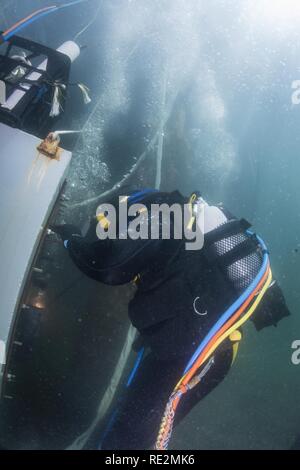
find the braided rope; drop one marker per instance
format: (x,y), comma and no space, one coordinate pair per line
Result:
(167,422)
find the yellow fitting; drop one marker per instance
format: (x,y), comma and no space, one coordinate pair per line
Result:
(104,222)
(235,336)
(136,279)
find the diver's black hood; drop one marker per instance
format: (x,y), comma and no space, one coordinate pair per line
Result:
(117,262)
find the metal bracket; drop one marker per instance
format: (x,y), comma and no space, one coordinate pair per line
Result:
(50,146)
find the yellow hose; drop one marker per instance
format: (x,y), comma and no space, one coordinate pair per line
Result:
(237,324)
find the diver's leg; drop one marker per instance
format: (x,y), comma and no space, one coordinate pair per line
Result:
(221,365)
(137,423)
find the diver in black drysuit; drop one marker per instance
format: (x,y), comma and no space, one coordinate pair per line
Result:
(180,295)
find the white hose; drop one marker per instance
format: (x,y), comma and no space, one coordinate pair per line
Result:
(161,137)
(90,23)
(109,394)
(123,180)
(56,134)
(158,138)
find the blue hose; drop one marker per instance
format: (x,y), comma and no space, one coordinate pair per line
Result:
(139,195)
(233,308)
(70,4)
(27,23)
(6,37)
(114,415)
(135,367)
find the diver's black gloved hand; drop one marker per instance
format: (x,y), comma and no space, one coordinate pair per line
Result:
(66,231)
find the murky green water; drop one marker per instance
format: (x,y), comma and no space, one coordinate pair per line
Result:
(212,83)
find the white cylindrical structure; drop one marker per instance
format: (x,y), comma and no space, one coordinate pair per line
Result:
(69,48)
